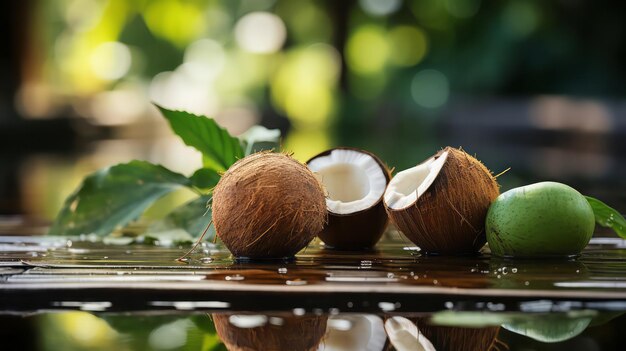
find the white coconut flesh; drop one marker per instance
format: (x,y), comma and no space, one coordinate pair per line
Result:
(407,186)
(405,336)
(354,181)
(358,332)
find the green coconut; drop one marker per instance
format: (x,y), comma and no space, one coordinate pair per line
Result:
(539,220)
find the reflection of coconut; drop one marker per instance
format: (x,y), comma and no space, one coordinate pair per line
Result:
(405,336)
(455,339)
(259,332)
(354,332)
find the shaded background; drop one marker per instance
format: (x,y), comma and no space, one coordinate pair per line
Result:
(532,85)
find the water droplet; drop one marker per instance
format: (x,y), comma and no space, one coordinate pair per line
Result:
(234,277)
(206,259)
(435,281)
(282,270)
(449,305)
(527,283)
(390,275)
(247,321)
(106,257)
(318,311)
(350,304)
(386,306)
(68,243)
(514,270)
(578,271)
(333,311)
(128,252)
(498,276)
(296,282)
(473,270)
(299,311)
(277,321)
(505,270)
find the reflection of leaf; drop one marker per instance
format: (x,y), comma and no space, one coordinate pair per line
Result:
(607,216)
(165,238)
(150,332)
(549,328)
(259,138)
(114,196)
(205,179)
(193,217)
(219,149)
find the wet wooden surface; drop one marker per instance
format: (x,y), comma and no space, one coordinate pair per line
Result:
(38,272)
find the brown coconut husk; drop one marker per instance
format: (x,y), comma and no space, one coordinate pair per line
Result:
(296,333)
(449,218)
(460,339)
(361,229)
(268,205)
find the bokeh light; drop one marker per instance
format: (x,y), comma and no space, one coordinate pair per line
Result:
(304,83)
(260,32)
(111,60)
(462,8)
(430,88)
(409,45)
(380,7)
(85,329)
(367,49)
(180,22)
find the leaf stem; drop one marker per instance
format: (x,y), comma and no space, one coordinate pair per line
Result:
(182,258)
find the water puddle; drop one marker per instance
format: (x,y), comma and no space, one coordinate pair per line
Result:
(78,293)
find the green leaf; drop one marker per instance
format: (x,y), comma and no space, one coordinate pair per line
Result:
(193,217)
(607,216)
(205,179)
(114,196)
(219,149)
(259,138)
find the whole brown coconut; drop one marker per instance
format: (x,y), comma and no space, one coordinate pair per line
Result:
(293,333)
(268,205)
(441,204)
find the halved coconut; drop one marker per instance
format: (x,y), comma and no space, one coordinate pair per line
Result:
(445,338)
(441,204)
(354,332)
(355,181)
(405,336)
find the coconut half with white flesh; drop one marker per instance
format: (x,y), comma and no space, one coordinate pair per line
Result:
(441,204)
(405,336)
(354,332)
(355,181)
